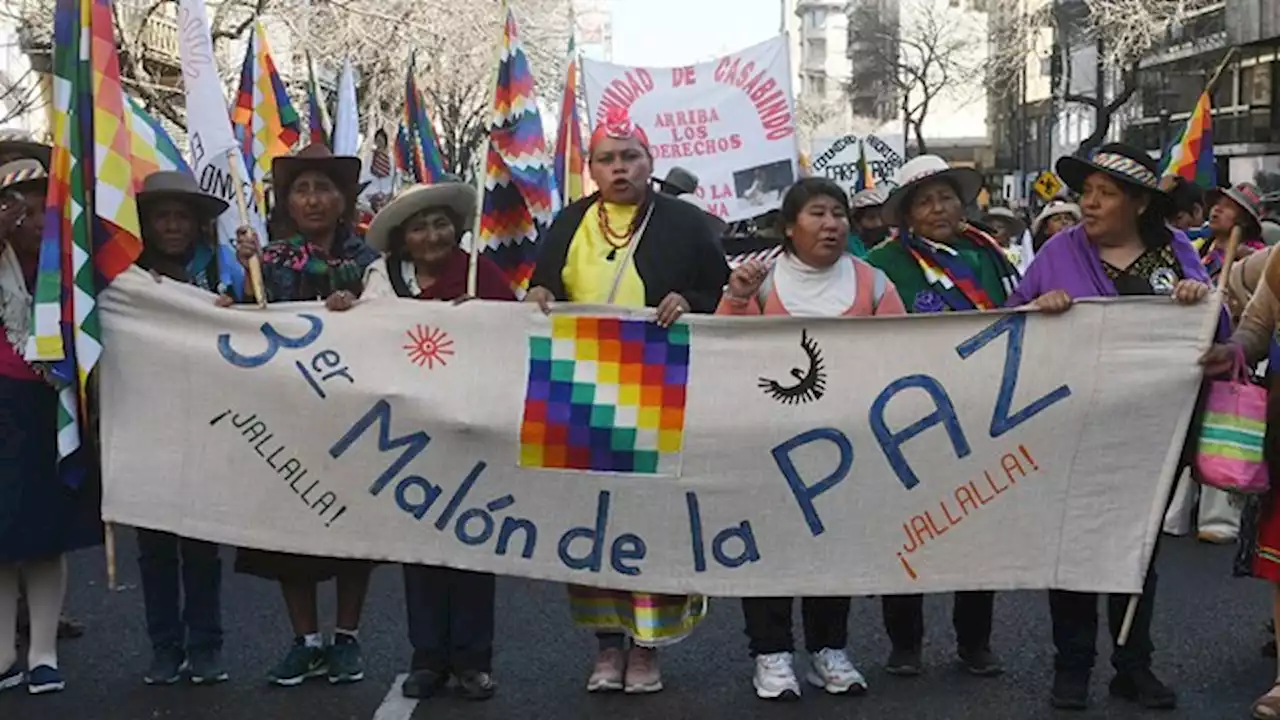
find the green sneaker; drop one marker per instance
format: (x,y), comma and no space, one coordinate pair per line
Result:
(300,663)
(346,663)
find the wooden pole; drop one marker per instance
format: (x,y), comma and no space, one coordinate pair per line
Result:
(1229,258)
(255,263)
(484,156)
(109,544)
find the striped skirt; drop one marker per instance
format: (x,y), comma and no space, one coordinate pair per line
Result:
(649,620)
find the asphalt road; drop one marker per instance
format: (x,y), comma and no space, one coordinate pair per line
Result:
(1208,633)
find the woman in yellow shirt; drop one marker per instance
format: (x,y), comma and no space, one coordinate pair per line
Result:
(630,246)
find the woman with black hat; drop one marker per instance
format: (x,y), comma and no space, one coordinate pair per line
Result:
(451,612)
(44,513)
(939,263)
(1122,247)
(316,256)
(179,242)
(1231,208)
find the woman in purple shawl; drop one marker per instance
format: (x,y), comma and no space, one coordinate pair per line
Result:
(1122,247)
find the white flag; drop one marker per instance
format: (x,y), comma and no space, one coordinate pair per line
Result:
(346,121)
(213,145)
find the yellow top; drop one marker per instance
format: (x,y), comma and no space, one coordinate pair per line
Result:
(588,273)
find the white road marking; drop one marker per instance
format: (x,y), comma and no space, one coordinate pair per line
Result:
(396,706)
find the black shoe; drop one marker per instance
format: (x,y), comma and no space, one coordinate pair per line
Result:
(1144,688)
(167,664)
(422,684)
(205,666)
(476,685)
(982,662)
(1070,690)
(904,663)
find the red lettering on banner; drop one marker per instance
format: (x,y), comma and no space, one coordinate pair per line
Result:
(768,99)
(683,76)
(623,92)
(925,528)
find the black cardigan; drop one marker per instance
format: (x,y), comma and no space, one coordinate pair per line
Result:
(677,253)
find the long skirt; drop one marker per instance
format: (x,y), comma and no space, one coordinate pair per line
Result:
(650,620)
(41,515)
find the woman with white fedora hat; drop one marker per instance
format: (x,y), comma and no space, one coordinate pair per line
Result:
(1055,217)
(939,263)
(419,233)
(451,612)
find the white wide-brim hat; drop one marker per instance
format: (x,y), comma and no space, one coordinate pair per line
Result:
(927,168)
(1057,207)
(458,197)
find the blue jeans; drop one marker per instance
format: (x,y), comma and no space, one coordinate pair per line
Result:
(173,567)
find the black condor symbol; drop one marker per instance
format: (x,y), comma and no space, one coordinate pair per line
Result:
(810,385)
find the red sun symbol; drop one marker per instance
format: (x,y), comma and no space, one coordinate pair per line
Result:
(428,346)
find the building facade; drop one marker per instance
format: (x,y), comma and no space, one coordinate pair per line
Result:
(873,27)
(594,26)
(817,31)
(1246,118)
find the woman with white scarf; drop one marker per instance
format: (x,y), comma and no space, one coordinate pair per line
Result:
(814,277)
(41,516)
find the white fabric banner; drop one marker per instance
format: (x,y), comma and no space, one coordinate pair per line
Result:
(346,120)
(213,145)
(730,121)
(728,456)
(837,158)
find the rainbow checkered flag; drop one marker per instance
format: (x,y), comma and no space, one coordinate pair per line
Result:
(520,189)
(570,163)
(263,119)
(153,149)
(317,115)
(91,230)
(1190,156)
(417,152)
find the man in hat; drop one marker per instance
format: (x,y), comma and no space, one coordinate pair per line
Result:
(678,182)
(179,243)
(868,228)
(178,237)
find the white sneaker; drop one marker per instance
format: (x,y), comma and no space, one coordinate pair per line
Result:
(774,678)
(831,670)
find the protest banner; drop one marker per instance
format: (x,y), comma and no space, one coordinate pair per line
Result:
(839,158)
(728,456)
(730,121)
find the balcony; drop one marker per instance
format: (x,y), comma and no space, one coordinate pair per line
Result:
(158,39)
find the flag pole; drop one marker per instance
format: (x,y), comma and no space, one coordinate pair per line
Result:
(255,262)
(484,154)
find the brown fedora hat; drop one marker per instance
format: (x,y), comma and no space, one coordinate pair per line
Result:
(22,143)
(175,185)
(344,170)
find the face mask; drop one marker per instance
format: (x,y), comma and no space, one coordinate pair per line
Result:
(871,238)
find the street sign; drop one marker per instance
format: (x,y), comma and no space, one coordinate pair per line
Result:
(1047,186)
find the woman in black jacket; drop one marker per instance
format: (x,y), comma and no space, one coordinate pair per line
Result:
(630,246)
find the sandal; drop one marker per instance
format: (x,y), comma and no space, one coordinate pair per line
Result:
(1267,707)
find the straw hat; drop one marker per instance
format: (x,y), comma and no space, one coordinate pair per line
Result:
(21,175)
(1122,163)
(1057,207)
(1000,212)
(928,168)
(175,185)
(867,199)
(1246,195)
(457,196)
(342,169)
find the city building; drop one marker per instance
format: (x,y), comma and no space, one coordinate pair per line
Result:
(1246,118)
(873,34)
(1021,112)
(594,26)
(818,34)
